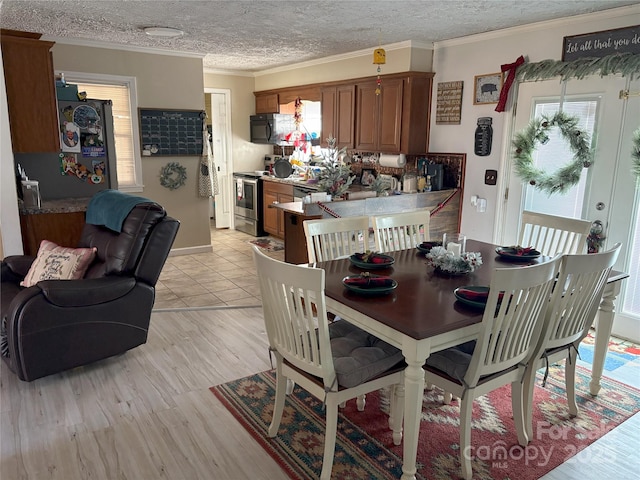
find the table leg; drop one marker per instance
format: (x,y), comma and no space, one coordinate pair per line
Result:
(606,314)
(414,392)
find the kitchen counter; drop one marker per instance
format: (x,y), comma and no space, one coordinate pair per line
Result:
(60,221)
(444,206)
(62,205)
(290,207)
(291,180)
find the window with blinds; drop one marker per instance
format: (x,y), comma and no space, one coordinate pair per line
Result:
(121,92)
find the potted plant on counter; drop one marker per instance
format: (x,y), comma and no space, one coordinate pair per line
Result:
(335,176)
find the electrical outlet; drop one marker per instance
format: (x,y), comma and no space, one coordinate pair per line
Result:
(490,177)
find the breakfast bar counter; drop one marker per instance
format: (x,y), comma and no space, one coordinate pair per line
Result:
(444,205)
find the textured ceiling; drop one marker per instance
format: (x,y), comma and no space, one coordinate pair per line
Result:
(257,35)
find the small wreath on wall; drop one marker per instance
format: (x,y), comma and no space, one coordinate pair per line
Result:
(635,153)
(537,132)
(173,176)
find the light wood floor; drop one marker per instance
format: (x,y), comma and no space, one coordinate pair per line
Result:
(148,414)
(143,415)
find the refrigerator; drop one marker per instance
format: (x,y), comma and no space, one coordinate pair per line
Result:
(86,162)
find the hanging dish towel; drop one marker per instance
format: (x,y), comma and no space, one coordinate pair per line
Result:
(207,175)
(240,188)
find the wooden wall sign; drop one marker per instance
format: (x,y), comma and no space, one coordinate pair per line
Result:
(449,103)
(601,44)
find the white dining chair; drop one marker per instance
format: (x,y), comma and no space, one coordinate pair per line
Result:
(334,362)
(401,231)
(574,304)
(332,238)
(508,333)
(550,234)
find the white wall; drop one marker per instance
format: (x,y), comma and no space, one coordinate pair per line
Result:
(464,58)
(163,81)
(401,57)
(246,156)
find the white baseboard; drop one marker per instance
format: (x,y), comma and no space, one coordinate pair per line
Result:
(626,327)
(190,250)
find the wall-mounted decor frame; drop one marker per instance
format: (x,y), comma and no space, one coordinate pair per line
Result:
(449,103)
(600,44)
(368,176)
(171,132)
(486,88)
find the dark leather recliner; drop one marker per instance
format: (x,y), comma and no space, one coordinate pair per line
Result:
(61,324)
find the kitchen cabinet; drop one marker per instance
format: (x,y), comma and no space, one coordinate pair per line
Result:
(378,117)
(273,218)
(64,229)
(267,103)
(397,120)
(295,241)
(338,108)
(31,95)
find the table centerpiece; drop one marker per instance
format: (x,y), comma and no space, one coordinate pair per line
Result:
(448,262)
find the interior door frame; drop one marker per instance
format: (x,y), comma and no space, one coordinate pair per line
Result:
(624,324)
(507,173)
(224,182)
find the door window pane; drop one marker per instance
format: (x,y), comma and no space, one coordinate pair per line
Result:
(557,153)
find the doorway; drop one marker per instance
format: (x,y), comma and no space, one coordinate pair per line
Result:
(218,107)
(607,190)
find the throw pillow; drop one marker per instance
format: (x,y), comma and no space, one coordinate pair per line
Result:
(58,263)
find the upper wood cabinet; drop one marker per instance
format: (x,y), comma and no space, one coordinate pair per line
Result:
(338,107)
(31,94)
(267,103)
(379,117)
(416,113)
(397,120)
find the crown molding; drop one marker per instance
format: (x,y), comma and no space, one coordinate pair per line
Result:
(119,46)
(222,71)
(345,56)
(558,22)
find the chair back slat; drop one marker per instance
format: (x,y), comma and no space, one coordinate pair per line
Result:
(576,298)
(401,231)
(295,314)
(510,328)
(550,234)
(332,238)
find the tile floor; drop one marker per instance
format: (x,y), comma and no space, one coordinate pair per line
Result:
(223,277)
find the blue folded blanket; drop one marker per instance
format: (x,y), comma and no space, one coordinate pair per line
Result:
(111,207)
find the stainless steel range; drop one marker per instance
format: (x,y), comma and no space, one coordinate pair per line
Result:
(248,203)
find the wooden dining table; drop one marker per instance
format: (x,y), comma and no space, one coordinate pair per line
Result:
(420,316)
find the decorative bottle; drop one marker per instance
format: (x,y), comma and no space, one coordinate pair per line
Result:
(427,186)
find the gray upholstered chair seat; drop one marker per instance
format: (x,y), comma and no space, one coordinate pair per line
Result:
(359,356)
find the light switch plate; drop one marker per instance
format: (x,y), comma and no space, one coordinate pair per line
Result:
(490,177)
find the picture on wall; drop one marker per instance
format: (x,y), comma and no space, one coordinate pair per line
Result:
(486,88)
(368,176)
(449,103)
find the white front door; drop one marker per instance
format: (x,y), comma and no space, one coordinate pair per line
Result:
(607,190)
(221,144)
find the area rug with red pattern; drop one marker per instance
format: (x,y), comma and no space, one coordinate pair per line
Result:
(365,449)
(267,243)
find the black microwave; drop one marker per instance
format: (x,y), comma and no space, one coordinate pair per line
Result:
(271,127)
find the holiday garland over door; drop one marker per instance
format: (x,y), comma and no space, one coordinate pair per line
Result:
(525,142)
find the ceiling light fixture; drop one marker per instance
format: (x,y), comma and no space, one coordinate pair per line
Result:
(163,32)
